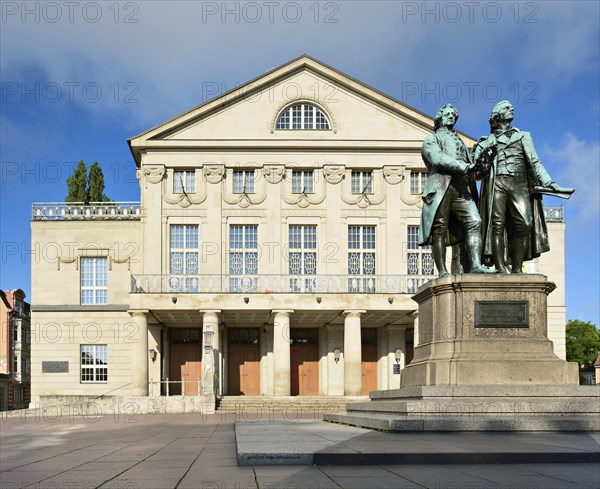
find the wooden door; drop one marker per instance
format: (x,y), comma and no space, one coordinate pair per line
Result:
(304,363)
(185,364)
(369,369)
(368,340)
(244,370)
(243,362)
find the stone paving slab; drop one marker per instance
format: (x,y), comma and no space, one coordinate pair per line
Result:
(199,452)
(309,442)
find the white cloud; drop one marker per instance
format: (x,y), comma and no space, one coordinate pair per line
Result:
(580,163)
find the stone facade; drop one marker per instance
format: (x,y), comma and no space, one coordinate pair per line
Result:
(269,255)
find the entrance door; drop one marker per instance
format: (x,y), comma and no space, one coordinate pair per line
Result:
(304,362)
(185,362)
(244,362)
(369,360)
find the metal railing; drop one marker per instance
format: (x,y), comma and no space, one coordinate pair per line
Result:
(277,284)
(94,211)
(194,387)
(554,213)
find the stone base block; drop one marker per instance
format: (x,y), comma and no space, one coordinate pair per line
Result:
(482,330)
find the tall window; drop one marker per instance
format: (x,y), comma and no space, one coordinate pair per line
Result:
(184,257)
(302,116)
(184,181)
(361,258)
(418,179)
(243,258)
(302,257)
(243,181)
(15,329)
(94,363)
(362,181)
(302,181)
(419,260)
(94,280)
(15,363)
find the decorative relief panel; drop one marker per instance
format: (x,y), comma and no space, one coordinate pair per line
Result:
(364,200)
(393,174)
(334,174)
(214,173)
(405,195)
(303,200)
(185,199)
(243,199)
(274,173)
(153,173)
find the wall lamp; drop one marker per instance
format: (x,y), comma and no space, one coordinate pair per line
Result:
(336,355)
(208,338)
(391,300)
(152,353)
(318,300)
(246,300)
(398,355)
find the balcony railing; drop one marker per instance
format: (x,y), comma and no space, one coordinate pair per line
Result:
(94,211)
(554,213)
(277,284)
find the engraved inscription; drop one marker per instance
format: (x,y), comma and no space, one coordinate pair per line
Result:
(502,314)
(55,367)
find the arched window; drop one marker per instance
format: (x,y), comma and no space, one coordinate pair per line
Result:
(303,116)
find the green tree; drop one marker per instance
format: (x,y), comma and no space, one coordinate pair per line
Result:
(84,187)
(583,342)
(96,184)
(77,184)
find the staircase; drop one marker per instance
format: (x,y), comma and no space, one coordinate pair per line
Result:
(287,407)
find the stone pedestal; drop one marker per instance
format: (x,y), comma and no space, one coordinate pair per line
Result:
(485,330)
(483,363)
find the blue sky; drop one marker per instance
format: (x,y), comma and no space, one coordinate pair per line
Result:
(79,78)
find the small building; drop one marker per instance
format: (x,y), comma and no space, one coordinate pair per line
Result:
(15,346)
(277,227)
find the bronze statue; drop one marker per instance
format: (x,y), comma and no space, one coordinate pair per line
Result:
(450,211)
(510,203)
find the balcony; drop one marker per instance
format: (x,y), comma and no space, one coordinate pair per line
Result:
(78,211)
(277,284)
(554,213)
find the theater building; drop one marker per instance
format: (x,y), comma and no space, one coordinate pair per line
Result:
(273,251)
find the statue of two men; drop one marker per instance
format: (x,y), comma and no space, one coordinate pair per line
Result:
(508,164)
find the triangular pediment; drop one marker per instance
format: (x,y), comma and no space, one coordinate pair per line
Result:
(246,116)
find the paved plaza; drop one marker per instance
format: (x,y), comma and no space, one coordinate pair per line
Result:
(130,451)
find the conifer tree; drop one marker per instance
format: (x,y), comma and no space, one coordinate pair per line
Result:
(84,187)
(77,184)
(96,184)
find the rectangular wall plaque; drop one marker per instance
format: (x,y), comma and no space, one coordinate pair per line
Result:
(55,367)
(501,314)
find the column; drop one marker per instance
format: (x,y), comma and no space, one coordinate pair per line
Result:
(210,357)
(281,352)
(352,353)
(139,354)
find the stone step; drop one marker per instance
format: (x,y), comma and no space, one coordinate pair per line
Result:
(314,442)
(283,403)
(491,391)
(491,423)
(485,406)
